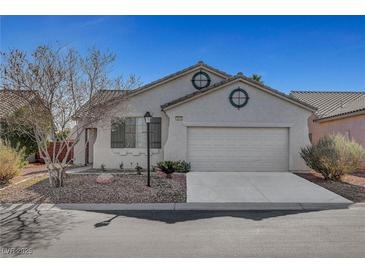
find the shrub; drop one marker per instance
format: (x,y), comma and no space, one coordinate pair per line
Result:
(334,156)
(182,166)
(11,162)
(19,135)
(138,169)
(167,167)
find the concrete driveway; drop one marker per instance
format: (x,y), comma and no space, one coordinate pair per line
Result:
(255,187)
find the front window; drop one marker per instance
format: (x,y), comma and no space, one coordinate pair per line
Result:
(131,132)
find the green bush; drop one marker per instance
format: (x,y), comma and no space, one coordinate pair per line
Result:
(182,166)
(334,156)
(138,169)
(17,134)
(11,162)
(167,167)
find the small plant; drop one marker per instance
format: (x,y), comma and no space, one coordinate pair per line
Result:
(11,161)
(167,167)
(182,166)
(138,169)
(333,156)
(121,166)
(102,167)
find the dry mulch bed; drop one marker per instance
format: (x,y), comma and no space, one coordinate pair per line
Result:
(30,171)
(351,187)
(126,188)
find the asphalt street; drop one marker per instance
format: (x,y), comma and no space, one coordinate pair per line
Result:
(72,233)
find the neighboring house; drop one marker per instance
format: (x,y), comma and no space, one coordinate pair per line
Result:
(216,121)
(337,112)
(10,102)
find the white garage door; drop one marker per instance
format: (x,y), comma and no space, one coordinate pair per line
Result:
(238,149)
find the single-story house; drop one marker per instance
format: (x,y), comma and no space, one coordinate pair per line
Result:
(337,112)
(215,121)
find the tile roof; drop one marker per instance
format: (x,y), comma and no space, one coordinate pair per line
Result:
(109,94)
(100,98)
(332,103)
(237,76)
(11,101)
(200,64)
(117,94)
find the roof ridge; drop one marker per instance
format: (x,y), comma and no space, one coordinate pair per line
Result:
(192,94)
(177,73)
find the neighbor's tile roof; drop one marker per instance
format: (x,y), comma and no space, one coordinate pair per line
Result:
(332,103)
(11,101)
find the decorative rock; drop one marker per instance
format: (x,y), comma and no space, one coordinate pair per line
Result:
(105,179)
(160,174)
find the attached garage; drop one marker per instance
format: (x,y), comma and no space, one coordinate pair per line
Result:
(237,125)
(238,149)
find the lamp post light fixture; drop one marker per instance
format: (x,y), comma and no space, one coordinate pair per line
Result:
(147,118)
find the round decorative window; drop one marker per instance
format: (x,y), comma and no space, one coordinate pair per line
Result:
(201,80)
(238,98)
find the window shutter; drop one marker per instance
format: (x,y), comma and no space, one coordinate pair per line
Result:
(155,132)
(130,132)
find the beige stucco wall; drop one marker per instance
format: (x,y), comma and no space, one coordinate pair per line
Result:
(354,126)
(262,110)
(137,106)
(213,109)
(79,150)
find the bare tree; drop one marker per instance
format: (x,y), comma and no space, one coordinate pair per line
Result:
(57,87)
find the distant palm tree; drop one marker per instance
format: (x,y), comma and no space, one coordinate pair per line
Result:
(257,78)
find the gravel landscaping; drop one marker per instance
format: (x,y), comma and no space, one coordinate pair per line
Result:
(351,187)
(126,188)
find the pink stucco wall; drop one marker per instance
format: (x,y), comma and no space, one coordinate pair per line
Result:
(353,127)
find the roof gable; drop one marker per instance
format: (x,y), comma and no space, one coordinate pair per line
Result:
(198,66)
(332,103)
(104,95)
(244,79)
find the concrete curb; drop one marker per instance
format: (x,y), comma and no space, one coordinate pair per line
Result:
(358,205)
(179,206)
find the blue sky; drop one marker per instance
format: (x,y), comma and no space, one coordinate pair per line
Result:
(290,52)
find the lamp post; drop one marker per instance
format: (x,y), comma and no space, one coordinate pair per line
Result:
(147,118)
